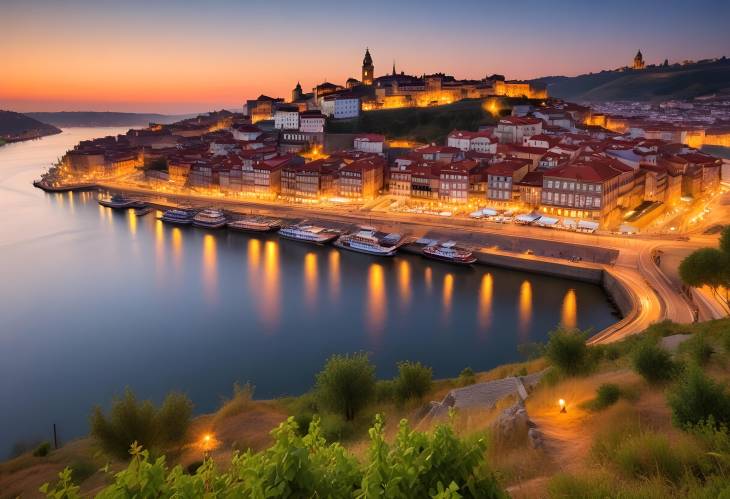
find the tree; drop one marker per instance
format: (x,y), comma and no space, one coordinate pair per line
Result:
(710,267)
(346,384)
(567,350)
(132,421)
(414,380)
(697,398)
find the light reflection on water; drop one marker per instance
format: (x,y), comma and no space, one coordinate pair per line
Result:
(196,310)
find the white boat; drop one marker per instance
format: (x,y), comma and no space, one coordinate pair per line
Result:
(117,201)
(365,241)
(255,224)
(308,234)
(209,219)
(177,216)
(448,252)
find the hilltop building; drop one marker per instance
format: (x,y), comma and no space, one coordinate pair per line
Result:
(638,61)
(367,68)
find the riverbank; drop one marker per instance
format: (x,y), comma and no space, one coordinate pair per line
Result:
(536,449)
(594,263)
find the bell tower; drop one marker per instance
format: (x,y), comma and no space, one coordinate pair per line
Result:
(638,61)
(367,68)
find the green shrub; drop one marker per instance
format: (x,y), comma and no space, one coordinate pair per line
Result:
(654,363)
(696,398)
(81,470)
(334,428)
(698,349)
(303,420)
(437,464)
(131,421)
(567,350)
(42,450)
(385,390)
(467,377)
(613,351)
(346,384)
(606,395)
(650,454)
(241,400)
(414,380)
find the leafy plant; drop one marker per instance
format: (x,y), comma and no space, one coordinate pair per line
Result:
(697,398)
(346,384)
(414,380)
(131,421)
(698,349)
(654,363)
(467,377)
(567,350)
(42,450)
(606,395)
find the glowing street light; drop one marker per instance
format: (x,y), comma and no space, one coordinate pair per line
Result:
(561,403)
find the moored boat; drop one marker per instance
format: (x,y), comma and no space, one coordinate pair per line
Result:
(209,219)
(177,216)
(448,252)
(308,234)
(142,211)
(365,241)
(255,224)
(117,202)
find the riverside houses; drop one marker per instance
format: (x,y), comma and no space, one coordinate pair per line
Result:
(502,178)
(361,179)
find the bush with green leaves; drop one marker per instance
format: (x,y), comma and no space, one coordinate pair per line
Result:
(467,377)
(385,390)
(698,348)
(606,395)
(414,380)
(567,351)
(346,384)
(130,420)
(42,450)
(437,464)
(654,363)
(696,398)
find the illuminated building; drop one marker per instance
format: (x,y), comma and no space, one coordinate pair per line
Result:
(286,118)
(368,70)
(502,178)
(472,141)
(312,121)
(369,142)
(638,61)
(513,129)
(262,108)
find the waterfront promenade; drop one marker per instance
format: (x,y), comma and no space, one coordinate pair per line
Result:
(643,292)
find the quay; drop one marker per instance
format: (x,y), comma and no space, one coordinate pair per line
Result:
(622,266)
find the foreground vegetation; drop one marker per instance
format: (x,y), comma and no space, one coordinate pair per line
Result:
(641,421)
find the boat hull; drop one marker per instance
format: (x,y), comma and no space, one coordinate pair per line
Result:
(206,225)
(319,242)
(115,206)
(439,258)
(257,230)
(346,246)
(176,221)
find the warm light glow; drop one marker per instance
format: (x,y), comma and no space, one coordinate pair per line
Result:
(485,301)
(404,282)
(448,293)
(561,404)
(210,269)
(525,309)
(428,279)
(569,309)
(376,311)
(310,279)
(132,219)
(159,248)
(334,274)
(177,248)
(270,289)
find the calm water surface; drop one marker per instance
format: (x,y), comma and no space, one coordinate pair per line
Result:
(93,300)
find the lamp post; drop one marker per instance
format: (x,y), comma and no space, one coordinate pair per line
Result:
(561,403)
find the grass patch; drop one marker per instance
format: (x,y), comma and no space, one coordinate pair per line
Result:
(239,402)
(606,395)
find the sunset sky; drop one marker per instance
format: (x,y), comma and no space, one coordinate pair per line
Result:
(193,56)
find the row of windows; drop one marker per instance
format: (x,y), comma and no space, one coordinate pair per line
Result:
(573,186)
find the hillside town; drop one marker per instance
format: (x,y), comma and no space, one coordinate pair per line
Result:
(534,160)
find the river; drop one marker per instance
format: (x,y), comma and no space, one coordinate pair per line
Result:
(93,300)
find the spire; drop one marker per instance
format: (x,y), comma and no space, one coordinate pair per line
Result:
(367,61)
(393,67)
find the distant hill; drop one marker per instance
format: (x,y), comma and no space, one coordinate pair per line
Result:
(422,124)
(93,118)
(650,84)
(16,126)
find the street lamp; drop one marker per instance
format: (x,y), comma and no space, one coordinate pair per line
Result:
(561,403)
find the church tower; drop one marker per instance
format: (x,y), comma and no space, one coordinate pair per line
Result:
(638,61)
(367,69)
(296,94)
